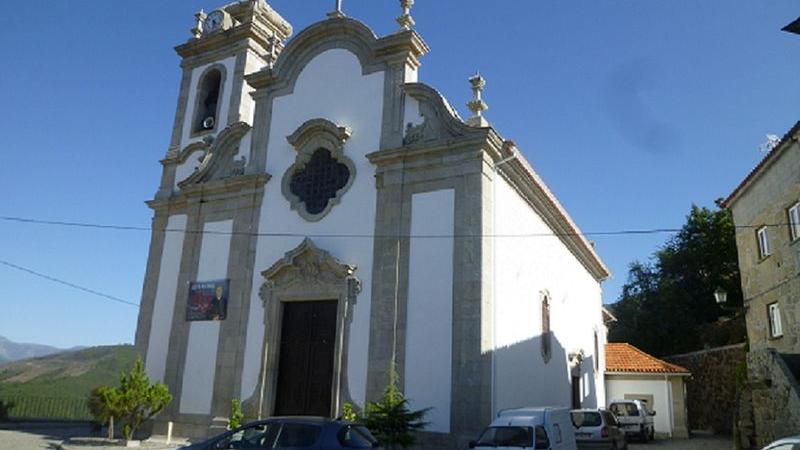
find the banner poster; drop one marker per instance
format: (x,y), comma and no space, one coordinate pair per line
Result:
(208,300)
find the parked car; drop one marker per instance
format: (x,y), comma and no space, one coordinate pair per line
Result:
(538,428)
(634,417)
(597,429)
(294,433)
(790,443)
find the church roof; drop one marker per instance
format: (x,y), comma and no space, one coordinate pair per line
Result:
(625,358)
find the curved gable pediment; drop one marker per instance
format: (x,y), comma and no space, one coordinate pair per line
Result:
(345,33)
(219,161)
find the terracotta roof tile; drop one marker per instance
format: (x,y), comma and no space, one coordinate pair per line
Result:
(625,358)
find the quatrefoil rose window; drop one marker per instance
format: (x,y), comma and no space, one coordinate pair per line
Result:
(321,174)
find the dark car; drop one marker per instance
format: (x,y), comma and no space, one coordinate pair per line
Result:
(597,429)
(296,433)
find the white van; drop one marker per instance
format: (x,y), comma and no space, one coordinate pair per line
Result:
(533,428)
(634,418)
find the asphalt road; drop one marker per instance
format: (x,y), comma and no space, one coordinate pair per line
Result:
(38,436)
(696,443)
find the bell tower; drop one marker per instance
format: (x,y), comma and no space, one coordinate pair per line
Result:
(225,45)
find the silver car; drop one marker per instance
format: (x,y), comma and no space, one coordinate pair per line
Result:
(597,429)
(790,443)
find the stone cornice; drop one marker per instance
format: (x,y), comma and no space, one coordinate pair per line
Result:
(253,20)
(338,32)
(212,191)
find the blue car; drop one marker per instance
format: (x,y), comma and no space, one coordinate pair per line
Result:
(296,433)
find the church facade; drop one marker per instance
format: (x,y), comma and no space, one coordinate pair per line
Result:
(323,213)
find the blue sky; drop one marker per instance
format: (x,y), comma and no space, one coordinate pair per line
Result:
(630,110)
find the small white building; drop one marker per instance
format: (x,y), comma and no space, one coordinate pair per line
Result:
(322,212)
(632,374)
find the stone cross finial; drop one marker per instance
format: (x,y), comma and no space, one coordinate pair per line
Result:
(338,11)
(273,49)
(477,105)
(197,31)
(405,20)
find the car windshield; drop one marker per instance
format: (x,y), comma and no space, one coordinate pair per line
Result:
(624,409)
(586,419)
(507,437)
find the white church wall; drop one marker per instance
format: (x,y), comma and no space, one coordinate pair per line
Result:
(429,321)
(331,86)
(166,290)
(201,352)
(191,163)
(524,268)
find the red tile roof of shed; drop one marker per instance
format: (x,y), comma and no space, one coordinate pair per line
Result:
(625,358)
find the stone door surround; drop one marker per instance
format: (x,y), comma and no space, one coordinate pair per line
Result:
(306,273)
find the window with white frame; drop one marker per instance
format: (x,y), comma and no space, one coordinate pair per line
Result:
(775,327)
(794,221)
(763,242)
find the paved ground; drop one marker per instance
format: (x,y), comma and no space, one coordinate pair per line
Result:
(696,443)
(38,436)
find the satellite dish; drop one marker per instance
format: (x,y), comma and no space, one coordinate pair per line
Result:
(208,123)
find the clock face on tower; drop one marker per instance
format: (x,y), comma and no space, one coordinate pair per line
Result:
(213,21)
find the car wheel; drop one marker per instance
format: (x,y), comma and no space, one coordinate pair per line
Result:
(652,433)
(644,435)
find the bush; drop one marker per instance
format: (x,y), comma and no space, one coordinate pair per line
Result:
(5,409)
(133,402)
(137,400)
(235,420)
(390,420)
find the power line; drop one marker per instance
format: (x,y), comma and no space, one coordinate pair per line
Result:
(67,283)
(645,231)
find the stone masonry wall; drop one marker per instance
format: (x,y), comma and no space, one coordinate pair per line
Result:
(712,388)
(776,397)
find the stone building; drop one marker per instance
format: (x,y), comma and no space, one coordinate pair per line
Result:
(766,211)
(323,213)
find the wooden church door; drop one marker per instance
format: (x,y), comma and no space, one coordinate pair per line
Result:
(305,370)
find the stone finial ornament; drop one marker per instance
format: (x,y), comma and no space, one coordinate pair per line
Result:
(338,11)
(405,20)
(197,31)
(273,49)
(477,105)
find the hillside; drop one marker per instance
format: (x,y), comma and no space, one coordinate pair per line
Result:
(71,374)
(14,351)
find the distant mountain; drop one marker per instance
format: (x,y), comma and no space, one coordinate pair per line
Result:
(69,374)
(14,351)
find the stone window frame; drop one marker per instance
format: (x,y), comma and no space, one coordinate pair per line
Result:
(219,67)
(307,139)
(545,301)
(773,318)
(762,241)
(793,216)
(305,273)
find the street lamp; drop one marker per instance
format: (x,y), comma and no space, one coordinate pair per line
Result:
(721,296)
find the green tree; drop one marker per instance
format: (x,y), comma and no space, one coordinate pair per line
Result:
(104,405)
(235,420)
(390,420)
(138,400)
(667,305)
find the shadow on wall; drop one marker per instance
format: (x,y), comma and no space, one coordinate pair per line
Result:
(525,377)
